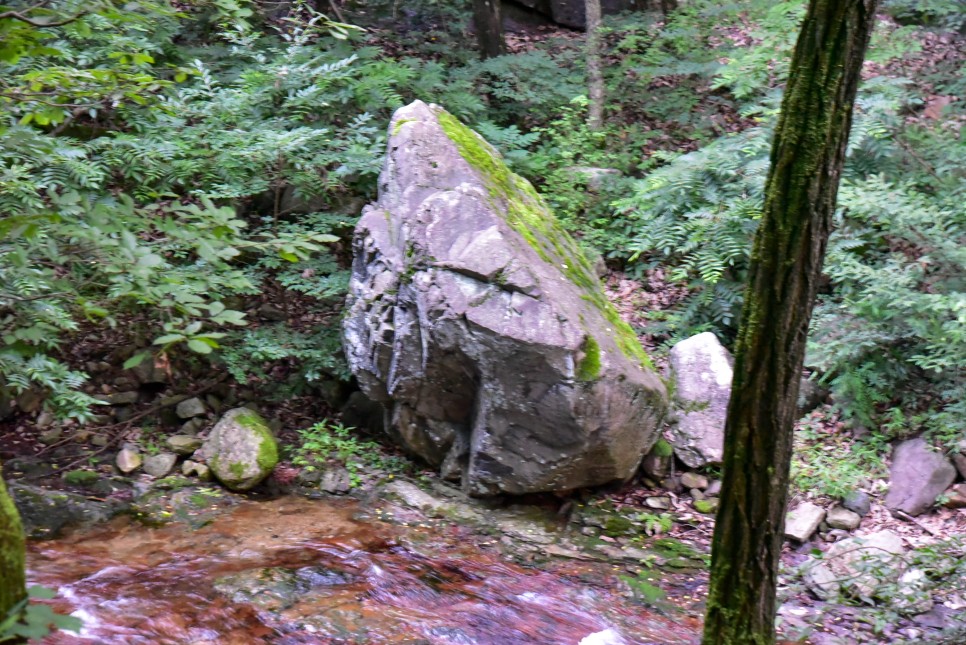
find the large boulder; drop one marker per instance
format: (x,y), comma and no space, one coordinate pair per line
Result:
(480,326)
(918,475)
(241,450)
(701,373)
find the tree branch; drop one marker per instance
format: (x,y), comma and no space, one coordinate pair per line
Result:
(16,15)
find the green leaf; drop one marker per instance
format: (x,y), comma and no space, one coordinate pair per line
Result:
(199,346)
(288,255)
(135,360)
(39,591)
(169,338)
(193,328)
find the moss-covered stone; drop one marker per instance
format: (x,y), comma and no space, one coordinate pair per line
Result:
(81,477)
(241,449)
(617,525)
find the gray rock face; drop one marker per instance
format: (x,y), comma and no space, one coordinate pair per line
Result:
(803,520)
(121,398)
(857,566)
(480,326)
(46,513)
(193,407)
(161,464)
(336,480)
(842,518)
(858,502)
(701,369)
(128,460)
(240,450)
(192,468)
(182,444)
(959,460)
(918,475)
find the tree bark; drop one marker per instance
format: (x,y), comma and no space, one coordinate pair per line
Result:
(12,554)
(807,156)
(595,75)
(489,28)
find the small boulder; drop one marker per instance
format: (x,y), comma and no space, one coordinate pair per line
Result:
(128,460)
(918,475)
(694,480)
(842,518)
(955,497)
(193,469)
(802,521)
(701,370)
(192,427)
(189,408)
(182,444)
(240,450)
(121,398)
(271,313)
(336,480)
(51,436)
(161,464)
(147,373)
(657,463)
(856,566)
(959,460)
(858,502)
(706,506)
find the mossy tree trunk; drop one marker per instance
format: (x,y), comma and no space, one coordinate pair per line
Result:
(489,28)
(806,162)
(12,554)
(595,75)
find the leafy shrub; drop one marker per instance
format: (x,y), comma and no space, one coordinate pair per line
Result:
(332,441)
(164,199)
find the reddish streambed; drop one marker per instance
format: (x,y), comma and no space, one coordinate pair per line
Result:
(354,582)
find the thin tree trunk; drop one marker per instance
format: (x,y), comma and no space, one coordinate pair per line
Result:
(806,162)
(595,76)
(12,554)
(489,28)
(667,6)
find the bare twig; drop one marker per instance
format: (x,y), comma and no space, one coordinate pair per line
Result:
(931,531)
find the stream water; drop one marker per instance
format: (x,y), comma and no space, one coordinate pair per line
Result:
(293,570)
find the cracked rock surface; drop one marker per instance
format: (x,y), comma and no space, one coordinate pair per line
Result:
(478,324)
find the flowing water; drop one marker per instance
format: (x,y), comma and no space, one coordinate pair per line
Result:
(293,570)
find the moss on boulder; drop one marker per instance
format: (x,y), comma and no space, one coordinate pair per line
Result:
(241,450)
